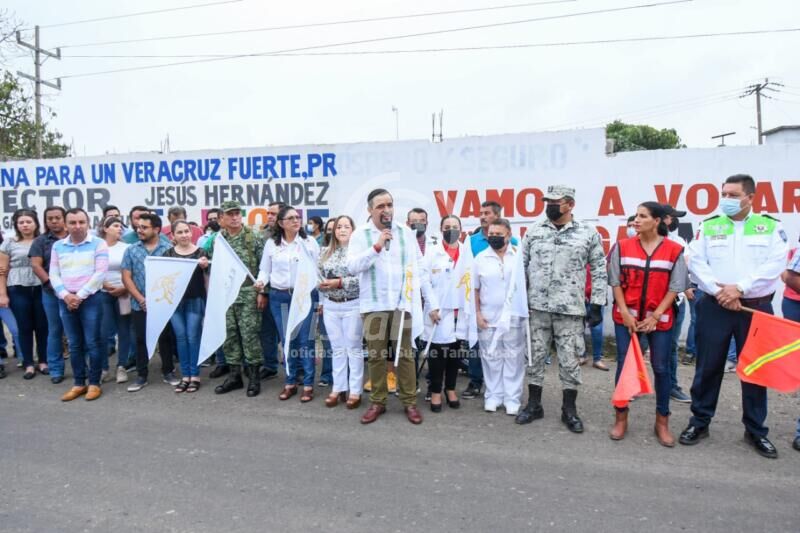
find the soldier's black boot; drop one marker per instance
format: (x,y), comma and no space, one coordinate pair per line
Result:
(569,413)
(232,382)
(532,411)
(254,381)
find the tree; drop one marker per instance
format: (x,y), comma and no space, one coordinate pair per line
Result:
(631,137)
(17,118)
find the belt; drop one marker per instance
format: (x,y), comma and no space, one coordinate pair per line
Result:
(341,300)
(755,302)
(289,291)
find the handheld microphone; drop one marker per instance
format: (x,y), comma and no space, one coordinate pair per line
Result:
(387,224)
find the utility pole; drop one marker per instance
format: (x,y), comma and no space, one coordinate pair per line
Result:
(38,51)
(396,112)
(758,90)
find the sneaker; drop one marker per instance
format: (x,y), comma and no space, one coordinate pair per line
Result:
(323,383)
(391,382)
(489,407)
(678,395)
(428,396)
(687,359)
(368,386)
(730,366)
(104,376)
(513,411)
(472,391)
(171,379)
(122,375)
(547,360)
(137,385)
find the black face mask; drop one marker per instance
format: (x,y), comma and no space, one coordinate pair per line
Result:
(451,235)
(420,228)
(213,226)
(553,211)
(496,241)
(673,225)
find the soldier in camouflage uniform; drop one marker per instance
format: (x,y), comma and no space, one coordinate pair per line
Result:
(556,253)
(243,319)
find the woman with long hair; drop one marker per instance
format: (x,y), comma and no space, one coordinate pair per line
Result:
(21,290)
(278,267)
(339,299)
(646,273)
(114,297)
(187,320)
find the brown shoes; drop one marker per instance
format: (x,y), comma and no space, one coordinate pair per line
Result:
(93,393)
(73,393)
(413,415)
(353,403)
(620,426)
(375,410)
(600,365)
(333,399)
(287,392)
(663,434)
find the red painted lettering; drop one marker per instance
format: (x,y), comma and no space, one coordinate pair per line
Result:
(505,198)
(445,206)
(672,198)
(523,208)
(711,198)
(764,199)
(791,196)
(611,203)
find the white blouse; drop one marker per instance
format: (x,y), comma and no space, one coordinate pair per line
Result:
(278,265)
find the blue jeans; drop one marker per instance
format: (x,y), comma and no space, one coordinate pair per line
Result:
(326,374)
(474,367)
(187,323)
(121,324)
(301,344)
(269,340)
(26,304)
(55,330)
(3,341)
(732,357)
(660,342)
(85,339)
(673,353)
(597,337)
(691,345)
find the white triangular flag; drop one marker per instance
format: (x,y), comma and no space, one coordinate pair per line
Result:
(300,306)
(167,279)
(516,300)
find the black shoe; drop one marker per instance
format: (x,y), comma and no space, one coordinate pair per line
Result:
(3,353)
(796,444)
(692,435)
(266,373)
(231,383)
(569,413)
(532,411)
(219,371)
(573,422)
(763,446)
(2,371)
(253,382)
(428,396)
(471,392)
(455,404)
(56,380)
(436,407)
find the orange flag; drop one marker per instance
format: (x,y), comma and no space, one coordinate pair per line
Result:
(771,354)
(634,379)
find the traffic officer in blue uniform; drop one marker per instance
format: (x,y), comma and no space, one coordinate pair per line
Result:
(737,259)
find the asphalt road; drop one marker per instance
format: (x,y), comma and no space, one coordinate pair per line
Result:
(156,461)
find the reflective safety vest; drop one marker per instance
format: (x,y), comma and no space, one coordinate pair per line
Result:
(645,279)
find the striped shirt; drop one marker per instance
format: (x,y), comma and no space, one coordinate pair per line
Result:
(78,268)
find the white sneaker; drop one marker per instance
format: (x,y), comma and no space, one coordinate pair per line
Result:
(730,366)
(122,375)
(513,411)
(104,376)
(489,407)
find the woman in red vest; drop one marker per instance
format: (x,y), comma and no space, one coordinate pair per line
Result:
(647,272)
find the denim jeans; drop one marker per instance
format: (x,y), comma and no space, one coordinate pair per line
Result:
(474,367)
(660,342)
(301,343)
(85,339)
(691,345)
(26,304)
(121,324)
(269,340)
(597,337)
(55,330)
(326,374)
(3,341)
(673,352)
(187,323)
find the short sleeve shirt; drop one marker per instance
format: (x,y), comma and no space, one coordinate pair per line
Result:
(133,261)
(20,272)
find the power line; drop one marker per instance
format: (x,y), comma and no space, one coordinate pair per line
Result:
(454,49)
(381,39)
(140,13)
(319,24)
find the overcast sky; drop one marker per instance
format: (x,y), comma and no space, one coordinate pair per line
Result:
(346,98)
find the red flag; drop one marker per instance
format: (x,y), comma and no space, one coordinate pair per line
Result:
(634,379)
(771,354)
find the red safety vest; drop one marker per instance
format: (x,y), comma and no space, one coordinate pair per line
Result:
(645,280)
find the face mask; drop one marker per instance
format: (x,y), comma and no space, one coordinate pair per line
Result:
(213,226)
(451,235)
(496,242)
(730,206)
(553,211)
(631,232)
(420,228)
(674,225)
(309,228)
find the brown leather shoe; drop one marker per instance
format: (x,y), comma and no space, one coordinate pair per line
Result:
(600,365)
(94,393)
(663,434)
(73,393)
(413,415)
(333,399)
(287,393)
(375,410)
(620,426)
(354,403)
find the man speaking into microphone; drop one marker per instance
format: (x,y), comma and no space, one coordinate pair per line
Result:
(386,258)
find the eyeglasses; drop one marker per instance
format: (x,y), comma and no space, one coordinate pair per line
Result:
(291,219)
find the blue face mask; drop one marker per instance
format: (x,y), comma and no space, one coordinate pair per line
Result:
(631,232)
(730,206)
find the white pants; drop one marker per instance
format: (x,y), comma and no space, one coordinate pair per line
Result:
(503,370)
(345,328)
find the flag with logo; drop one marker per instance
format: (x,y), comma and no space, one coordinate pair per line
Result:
(166,279)
(634,379)
(226,277)
(516,300)
(771,354)
(464,295)
(301,304)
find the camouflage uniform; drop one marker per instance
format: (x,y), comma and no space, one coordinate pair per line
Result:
(243,319)
(555,264)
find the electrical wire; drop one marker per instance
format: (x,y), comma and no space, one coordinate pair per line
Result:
(378,39)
